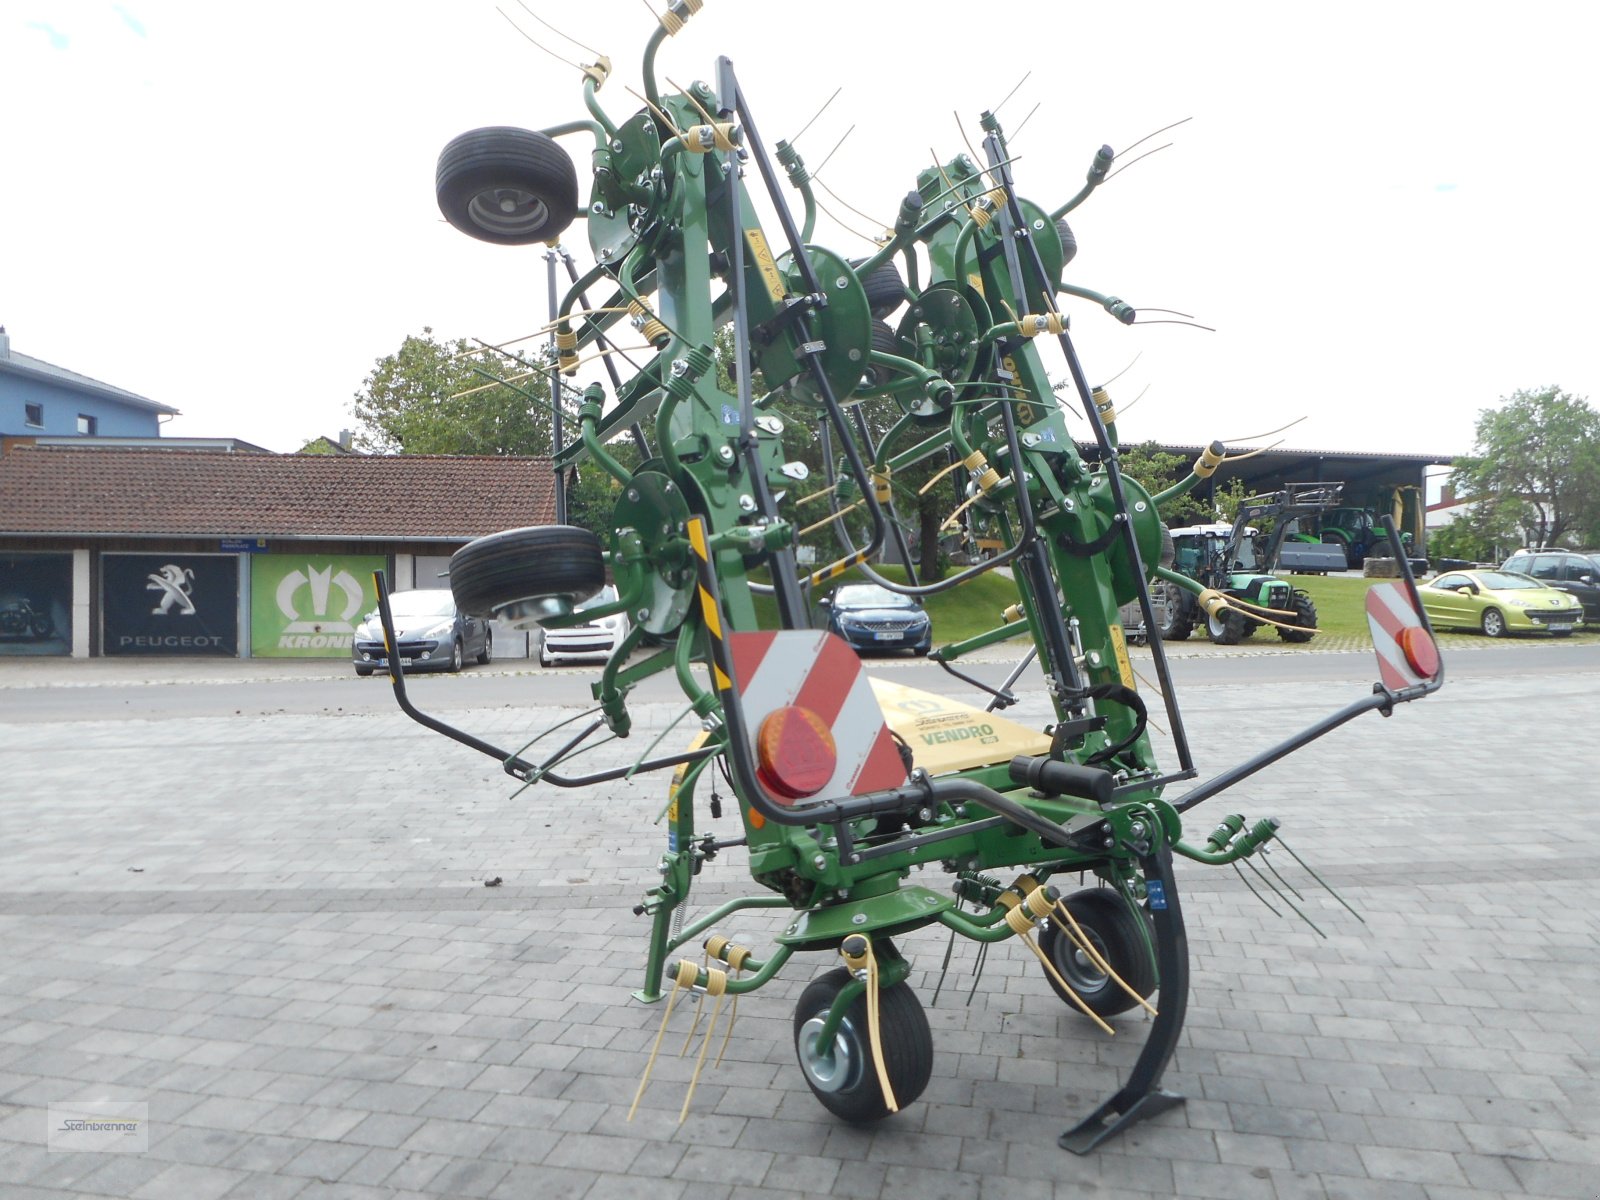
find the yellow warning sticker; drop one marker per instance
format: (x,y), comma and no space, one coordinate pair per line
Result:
(761,255)
(1119,643)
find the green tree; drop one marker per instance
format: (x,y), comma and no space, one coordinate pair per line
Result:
(440,397)
(1158,470)
(1535,466)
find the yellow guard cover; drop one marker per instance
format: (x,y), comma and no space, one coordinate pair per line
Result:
(946,735)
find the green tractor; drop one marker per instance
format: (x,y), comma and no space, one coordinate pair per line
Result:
(1238,562)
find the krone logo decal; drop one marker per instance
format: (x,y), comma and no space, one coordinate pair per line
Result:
(174,583)
(315,617)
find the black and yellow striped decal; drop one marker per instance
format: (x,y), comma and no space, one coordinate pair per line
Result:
(721,665)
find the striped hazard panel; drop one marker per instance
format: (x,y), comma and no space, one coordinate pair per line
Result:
(817,671)
(1406,653)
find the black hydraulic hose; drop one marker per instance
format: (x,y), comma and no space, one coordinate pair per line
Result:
(791,605)
(995,149)
(611,367)
(733,100)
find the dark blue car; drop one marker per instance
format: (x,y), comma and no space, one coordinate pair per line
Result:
(870,617)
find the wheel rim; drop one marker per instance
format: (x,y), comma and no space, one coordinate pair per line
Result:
(835,1072)
(508,211)
(1492,623)
(1077,968)
(455,660)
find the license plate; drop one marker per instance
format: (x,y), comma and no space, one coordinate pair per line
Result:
(888,636)
(1559,626)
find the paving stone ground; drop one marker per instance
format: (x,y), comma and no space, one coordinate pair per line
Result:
(274,932)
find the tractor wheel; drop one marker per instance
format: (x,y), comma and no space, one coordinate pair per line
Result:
(1225,630)
(1305,617)
(1180,613)
(884,287)
(1494,623)
(509,186)
(843,1076)
(524,566)
(1115,933)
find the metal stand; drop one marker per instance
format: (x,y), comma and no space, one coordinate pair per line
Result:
(1142,1096)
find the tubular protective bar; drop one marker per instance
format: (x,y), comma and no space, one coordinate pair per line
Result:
(1381,699)
(518,768)
(791,605)
(995,150)
(733,100)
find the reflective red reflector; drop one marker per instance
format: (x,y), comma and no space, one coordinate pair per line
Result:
(1422,655)
(795,753)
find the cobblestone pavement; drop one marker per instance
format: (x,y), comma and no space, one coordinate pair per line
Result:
(275,933)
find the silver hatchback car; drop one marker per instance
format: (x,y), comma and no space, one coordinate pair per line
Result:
(434,635)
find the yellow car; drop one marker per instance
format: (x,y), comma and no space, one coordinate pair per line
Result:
(1498,603)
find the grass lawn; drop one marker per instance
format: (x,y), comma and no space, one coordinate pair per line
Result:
(1341,609)
(975,606)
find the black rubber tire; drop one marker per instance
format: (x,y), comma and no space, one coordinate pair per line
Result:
(1181,611)
(542,561)
(363,671)
(1494,623)
(1305,616)
(487,656)
(1227,631)
(458,657)
(1069,241)
(907,1048)
(886,291)
(1114,932)
(884,341)
(509,186)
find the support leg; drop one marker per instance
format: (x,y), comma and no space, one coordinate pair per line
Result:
(1142,1096)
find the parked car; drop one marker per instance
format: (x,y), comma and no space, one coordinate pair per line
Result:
(1498,603)
(1576,572)
(591,640)
(870,617)
(433,634)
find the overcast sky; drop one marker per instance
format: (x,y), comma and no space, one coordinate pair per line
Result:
(1386,210)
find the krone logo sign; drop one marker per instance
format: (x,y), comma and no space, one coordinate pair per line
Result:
(307,598)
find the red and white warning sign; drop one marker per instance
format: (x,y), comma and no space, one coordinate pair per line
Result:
(1406,652)
(814,727)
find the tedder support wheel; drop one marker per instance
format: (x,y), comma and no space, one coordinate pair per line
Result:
(506,185)
(1225,630)
(886,291)
(843,1076)
(1114,932)
(519,568)
(1305,617)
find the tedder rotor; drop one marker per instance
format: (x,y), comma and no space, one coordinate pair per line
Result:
(842,784)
